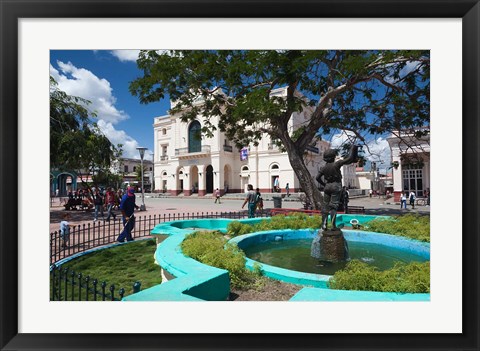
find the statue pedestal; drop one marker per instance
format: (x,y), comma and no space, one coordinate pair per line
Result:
(330,245)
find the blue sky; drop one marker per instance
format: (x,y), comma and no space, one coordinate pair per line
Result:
(103,77)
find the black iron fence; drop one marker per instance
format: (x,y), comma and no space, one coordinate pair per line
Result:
(68,285)
(88,236)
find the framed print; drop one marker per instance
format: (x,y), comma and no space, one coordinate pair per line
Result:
(33,30)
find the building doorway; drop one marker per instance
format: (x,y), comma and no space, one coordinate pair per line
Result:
(209,179)
(227,178)
(412,180)
(194,179)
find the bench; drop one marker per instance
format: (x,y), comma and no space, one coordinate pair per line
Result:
(356,209)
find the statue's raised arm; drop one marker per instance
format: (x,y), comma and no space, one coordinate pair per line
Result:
(351,157)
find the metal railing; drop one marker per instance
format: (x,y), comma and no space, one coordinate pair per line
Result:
(68,285)
(205,149)
(88,236)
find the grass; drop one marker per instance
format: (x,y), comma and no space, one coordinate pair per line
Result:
(122,265)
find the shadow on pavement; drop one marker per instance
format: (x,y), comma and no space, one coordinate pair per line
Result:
(75,216)
(395,212)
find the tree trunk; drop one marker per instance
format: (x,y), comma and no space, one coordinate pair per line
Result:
(307,181)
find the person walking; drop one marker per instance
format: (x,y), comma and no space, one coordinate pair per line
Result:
(370,193)
(276,185)
(98,202)
(250,199)
(403,201)
(217,196)
(412,198)
(259,201)
(110,202)
(65,229)
(127,206)
(118,198)
(287,189)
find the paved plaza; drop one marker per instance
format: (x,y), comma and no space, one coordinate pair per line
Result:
(156,205)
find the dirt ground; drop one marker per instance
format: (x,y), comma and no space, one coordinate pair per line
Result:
(273,290)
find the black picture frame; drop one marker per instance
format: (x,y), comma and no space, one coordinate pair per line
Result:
(12,11)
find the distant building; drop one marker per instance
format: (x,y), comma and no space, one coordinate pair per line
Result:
(186,162)
(128,168)
(365,179)
(349,176)
(410,163)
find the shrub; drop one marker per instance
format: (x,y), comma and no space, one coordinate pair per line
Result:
(294,220)
(211,249)
(198,244)
(236,228)
(411,226)
(403,278)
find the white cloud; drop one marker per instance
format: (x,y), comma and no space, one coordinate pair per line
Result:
(376,150)
(83,83)
(409,67)
(120,137)
(132,55)
(126,55)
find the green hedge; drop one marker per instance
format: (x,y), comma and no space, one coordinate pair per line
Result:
(403,278)
(211,248)
(294,220)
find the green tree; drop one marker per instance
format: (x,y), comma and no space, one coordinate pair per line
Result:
(364,92)
(76,143)
(138,173)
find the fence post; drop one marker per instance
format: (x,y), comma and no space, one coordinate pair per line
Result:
(136,287)
(87,287)
(112,291)
(95,282)
(79,286)
(104,285)
(72,283)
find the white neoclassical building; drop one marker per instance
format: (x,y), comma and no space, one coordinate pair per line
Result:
(185,164)
(411,163)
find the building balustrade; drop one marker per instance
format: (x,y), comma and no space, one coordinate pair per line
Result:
(185,151)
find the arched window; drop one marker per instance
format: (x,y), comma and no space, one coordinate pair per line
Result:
(194,137)
(275,166)
(245,168)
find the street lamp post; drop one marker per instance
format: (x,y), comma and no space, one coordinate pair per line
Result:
(141,150)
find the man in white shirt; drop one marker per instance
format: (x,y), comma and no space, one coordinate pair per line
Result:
(412,199)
